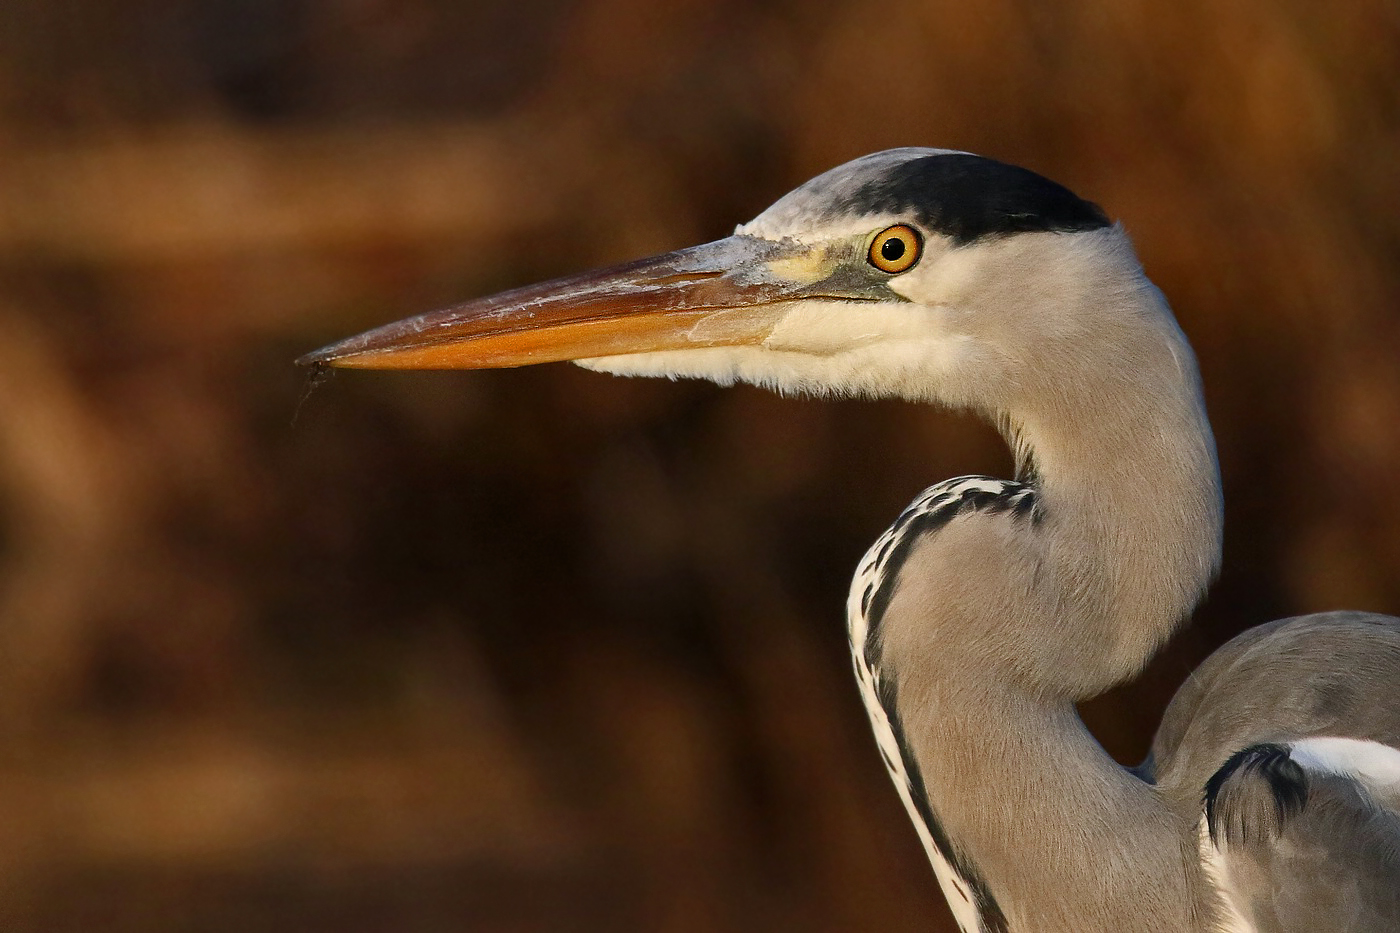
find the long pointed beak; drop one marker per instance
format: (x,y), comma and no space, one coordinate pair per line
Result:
(720,294)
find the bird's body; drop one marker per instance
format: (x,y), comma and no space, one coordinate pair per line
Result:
(1271,800)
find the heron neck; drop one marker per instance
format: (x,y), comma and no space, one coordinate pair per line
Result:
(1129,491)
(1046,815)
(999,625)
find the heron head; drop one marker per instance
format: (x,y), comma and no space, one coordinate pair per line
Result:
(920,273)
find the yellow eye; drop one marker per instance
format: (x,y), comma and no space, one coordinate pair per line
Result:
(896,249)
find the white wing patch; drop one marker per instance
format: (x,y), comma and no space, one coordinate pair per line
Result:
(1217,870)
(1373,765)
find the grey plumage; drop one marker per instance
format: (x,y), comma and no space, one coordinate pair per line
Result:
(1325,674)
(1332,865)
(1271,797)
(1328,859)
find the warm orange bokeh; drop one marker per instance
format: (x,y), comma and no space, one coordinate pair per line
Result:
(541,649)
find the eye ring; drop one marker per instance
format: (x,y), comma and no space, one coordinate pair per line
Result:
(896,249)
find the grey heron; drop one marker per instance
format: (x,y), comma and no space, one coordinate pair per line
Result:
(1271,797)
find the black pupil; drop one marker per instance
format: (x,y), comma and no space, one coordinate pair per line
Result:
(892,249)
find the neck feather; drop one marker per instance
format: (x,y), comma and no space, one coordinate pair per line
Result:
(1065,838)
(1124,464)
(997,626)
(1098,393)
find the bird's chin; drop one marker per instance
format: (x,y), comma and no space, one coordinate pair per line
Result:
(786,372)
(722,365)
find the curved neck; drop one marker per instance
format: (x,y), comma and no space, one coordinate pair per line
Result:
(1132,522)
(1067,841)
(1107,417)
(998,625)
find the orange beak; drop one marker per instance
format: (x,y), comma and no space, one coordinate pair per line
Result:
(723,293)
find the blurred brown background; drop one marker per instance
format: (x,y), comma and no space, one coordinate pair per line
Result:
(541,649)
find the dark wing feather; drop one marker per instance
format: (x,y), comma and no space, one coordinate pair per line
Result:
(1330,861)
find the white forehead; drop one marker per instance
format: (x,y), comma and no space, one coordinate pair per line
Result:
(808,207)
